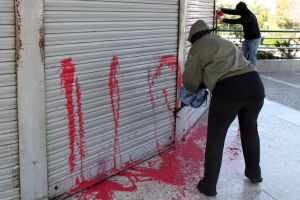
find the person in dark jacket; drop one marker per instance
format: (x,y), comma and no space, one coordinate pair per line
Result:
(236,89)
(250,27)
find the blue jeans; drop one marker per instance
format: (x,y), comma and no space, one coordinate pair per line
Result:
(250,49)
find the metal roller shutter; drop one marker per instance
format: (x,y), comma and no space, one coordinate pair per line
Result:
(9,151)
(111,71)
(196,9)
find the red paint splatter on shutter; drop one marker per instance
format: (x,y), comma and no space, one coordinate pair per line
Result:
(165,91)
(179,84)
(168,60)
(114,92)
(67,80)
(81,142)
(172,63)
(152,100)
(150,89)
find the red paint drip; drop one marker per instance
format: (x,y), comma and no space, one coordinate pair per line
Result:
(179,84)
(81,142)
(169,60)
(152,100)
(172,63)
(175,167)
(165,91)
(67,80)
(114,90)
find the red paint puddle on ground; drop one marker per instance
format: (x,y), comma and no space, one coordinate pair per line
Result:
(67,80)
(102,174)
(114,92)
(175,166)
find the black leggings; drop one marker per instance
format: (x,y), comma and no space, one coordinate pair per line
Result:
(221,115)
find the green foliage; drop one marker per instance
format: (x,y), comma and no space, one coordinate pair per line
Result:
(262,15)
(285,13)
(266,55)
(288,48)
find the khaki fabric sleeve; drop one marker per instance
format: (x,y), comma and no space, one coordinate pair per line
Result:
(192,75)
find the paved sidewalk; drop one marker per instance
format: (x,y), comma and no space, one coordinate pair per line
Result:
(283,88)
(173,175)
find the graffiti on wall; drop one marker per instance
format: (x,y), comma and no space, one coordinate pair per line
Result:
(75,140)
(114,92)
(71,85)
(171,62)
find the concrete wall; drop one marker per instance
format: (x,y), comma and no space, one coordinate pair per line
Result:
(281,65)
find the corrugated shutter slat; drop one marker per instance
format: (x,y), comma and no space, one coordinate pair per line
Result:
(9,145)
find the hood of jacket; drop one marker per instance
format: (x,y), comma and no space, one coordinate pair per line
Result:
(242,8)
(198,26)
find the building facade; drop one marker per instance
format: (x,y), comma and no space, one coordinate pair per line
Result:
(89,88)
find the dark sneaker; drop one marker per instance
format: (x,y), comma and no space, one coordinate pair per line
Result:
(205,190)
(253,179)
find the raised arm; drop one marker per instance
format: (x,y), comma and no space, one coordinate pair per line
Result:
(241,20)
(229,11)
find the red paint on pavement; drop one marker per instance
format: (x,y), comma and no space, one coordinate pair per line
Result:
(67,80)
(114,92)
(81,142)
(174,167)
(234,151)
(104,193)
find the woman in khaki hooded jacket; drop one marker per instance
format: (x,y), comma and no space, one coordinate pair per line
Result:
(236,90)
